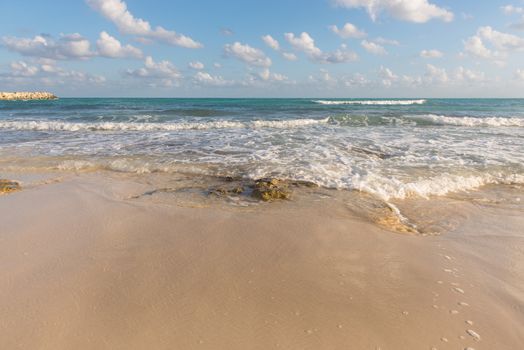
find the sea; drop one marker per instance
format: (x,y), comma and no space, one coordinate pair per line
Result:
(387,148)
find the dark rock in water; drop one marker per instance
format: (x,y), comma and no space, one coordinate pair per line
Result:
(266,189)
(303,183)
(7,186)
(271,189)
(226,191)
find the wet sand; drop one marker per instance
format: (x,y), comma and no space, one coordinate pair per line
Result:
(89,263)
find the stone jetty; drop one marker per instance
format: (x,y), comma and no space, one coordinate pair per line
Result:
(37,95)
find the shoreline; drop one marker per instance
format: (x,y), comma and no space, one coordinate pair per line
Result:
(412,214)
(93,261)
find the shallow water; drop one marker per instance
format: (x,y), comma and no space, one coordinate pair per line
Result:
(390,148)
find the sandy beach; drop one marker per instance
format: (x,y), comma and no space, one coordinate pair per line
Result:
(90,263)
(257,175)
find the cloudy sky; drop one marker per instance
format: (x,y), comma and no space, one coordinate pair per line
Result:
(269,48)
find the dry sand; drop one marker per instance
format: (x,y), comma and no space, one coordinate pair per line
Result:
(85,266)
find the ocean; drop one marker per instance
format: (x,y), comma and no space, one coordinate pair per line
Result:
(388,148)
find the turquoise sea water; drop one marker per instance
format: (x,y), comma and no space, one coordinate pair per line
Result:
(391,148)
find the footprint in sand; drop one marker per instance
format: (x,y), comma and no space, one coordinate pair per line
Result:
(474,334)
(458,290)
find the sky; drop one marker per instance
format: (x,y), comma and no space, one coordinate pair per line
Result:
(269,48)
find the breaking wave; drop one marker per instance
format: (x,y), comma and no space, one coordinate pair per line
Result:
(126,126)
(371,102)
(384,187)
(468,121)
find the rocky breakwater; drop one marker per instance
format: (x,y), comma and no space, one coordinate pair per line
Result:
(38,95)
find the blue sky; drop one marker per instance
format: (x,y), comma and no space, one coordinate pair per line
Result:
(252,48)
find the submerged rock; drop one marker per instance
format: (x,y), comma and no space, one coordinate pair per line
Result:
(226,191)
(266,189)
(271,189)
(303,183)
(7,186)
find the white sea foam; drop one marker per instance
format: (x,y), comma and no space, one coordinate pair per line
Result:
(287,123)
(469,121)
(371,102)
(126,126)
(436,186)
(387,188)
(384,187)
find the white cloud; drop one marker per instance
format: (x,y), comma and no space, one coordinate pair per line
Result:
(70,46)
(326,80)
(305,43)
(348,31)
(341,55)
(116,11)
(418,11)
(501,41)
(355,80)
(518,25)
(432,77)
(435,74)
(275,45)
(431,54)
(21,68)
(510,10)
(475,47)
(466,16)
(387,76)
(519,74)
(226,31)
(271,42)
(266,75)
(23,73)
(247,54)
(289,56)
(373,48)
(196,65)
(462,74)
(501,44)
(163,73)
(109,46)
(383,41)
(204,78)
(514,10)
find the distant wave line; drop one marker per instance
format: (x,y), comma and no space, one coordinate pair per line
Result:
(371,102)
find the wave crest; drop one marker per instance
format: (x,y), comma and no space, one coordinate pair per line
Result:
(372,102)
(127,126)
(468,121)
